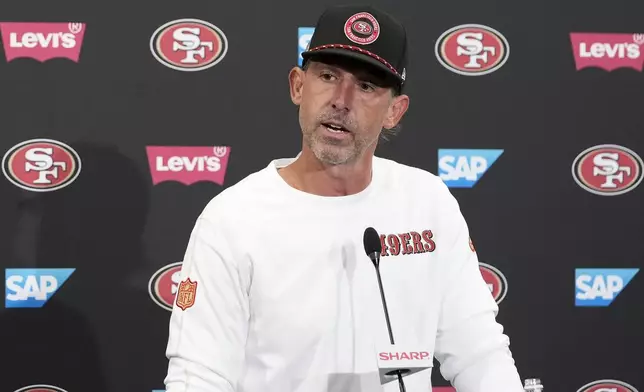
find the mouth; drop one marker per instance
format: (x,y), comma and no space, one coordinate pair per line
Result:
(335,128)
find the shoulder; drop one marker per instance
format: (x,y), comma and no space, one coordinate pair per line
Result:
(231,203)
(426,194)
(414,180)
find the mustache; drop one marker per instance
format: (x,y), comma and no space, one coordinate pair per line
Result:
(340,118)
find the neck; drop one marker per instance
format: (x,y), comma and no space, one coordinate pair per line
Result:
(310,175)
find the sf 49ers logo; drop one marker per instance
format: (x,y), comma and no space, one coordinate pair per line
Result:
(41,165)
(472,50)
(362,28)
(607,386)
(188,45)
(608,170)
(164,284)
(187,294)
(496,281)
(41,388)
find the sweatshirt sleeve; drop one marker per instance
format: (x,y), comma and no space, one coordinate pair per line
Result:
(470,345)
(207,332)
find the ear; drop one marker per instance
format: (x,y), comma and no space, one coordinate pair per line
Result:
(397,110)
(296,82)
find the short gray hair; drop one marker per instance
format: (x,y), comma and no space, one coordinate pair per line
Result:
(388,134)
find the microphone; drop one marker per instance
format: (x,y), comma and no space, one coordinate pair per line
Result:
(373,247)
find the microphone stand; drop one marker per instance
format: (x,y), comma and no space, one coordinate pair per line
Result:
(384,305)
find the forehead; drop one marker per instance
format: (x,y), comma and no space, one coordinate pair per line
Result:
(358,69)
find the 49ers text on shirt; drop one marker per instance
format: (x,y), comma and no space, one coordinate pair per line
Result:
(408,243)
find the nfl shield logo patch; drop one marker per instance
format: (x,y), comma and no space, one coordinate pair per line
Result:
(186,294)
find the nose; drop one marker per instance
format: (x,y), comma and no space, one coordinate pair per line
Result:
(342,95)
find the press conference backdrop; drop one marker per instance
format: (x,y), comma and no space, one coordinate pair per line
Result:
(119,122)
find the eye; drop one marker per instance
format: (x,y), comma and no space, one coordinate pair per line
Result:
(327,75)
(368,87)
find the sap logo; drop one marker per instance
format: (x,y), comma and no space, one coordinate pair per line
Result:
(304,35)
(599,287)
(463,168)
(32,288)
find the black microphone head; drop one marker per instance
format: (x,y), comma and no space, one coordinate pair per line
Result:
(372,245)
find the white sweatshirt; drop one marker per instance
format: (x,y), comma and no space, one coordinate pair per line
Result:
(288,301)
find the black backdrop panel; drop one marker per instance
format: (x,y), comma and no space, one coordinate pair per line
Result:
(113,142)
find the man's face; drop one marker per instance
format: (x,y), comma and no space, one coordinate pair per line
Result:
(342,110)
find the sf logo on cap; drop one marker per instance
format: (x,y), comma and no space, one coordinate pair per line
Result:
(362,28)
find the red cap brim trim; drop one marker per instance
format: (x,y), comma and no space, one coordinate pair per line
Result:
(359,50)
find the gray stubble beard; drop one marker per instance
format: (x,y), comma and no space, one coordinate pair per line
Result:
(325,152)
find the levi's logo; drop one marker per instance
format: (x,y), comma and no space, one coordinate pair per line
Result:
(188,165)
(408,243)
(42,41)
(608,51)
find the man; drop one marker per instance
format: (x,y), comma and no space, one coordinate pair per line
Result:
(277,293)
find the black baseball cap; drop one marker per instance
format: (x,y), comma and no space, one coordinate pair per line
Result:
(363,33)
